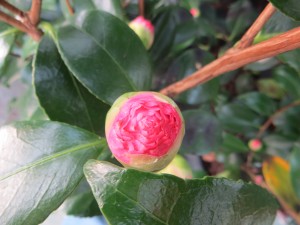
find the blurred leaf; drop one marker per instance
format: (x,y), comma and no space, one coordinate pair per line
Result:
(276,172)
(271,88)
(259,103)
(136,197)
(289,79)
(165,24)
(295,169)
(183,66)
(82,202)
(279,23)
(291,59)
(288,122)
(29,48)
(7,38)
(41,164)
(203,132)
(61,95)
(232,144)
(290,8)
(262,65)
(239,118)
(239,18)
(278,144)
(113,6)
(108,68)
(244,83)
(25,105)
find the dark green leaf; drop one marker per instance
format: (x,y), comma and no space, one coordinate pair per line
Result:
(110,59)
(165,28)
(290,8)
(295,169)
(203,132)
(233,144)
(291,58)
(41,164)
(135,197)
(61,95)
(259,103)
(237,117)
(82,202)
(289,79)
(183,66)
(288,122)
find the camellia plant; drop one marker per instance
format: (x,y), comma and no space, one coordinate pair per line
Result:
(114,91)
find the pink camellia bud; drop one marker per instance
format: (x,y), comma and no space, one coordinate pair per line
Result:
(255,145)
(144,130)
(144,29)
(194,12)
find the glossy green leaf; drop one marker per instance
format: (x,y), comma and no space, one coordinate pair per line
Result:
(41,164)
(290,8)
(259,103)
(61,95)
(110,59)
(203,132)
(295,169)
(237,117)
(136,197)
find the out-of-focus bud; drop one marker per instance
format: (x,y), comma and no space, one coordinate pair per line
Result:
(195,12)
(255,145)
(179,167)
(144,130)
(144,29)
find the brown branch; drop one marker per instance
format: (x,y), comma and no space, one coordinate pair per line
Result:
(285,206)
(13,22)
(23,21)
(12,8)
(281,43)
(214,69)
(35,12)
(255,28)
(268,123)
(70,8)
(141,8)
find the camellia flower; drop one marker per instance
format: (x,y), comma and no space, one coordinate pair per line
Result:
(144,130)
(144,29)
